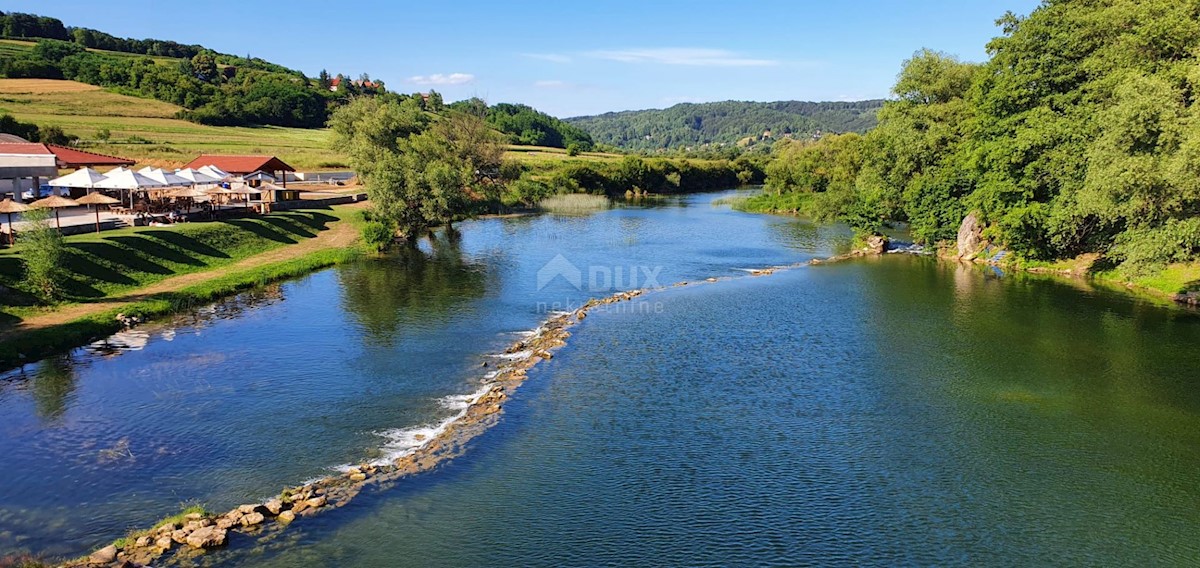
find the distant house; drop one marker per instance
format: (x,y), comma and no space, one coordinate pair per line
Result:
(336,83)
(245,165)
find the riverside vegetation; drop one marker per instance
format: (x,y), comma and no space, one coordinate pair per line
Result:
(1079,135)
(423,169)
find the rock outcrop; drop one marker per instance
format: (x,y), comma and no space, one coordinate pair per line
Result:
(970,237)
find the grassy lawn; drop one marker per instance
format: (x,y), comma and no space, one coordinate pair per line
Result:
(114,263)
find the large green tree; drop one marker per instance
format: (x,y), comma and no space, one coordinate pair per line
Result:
(421,170)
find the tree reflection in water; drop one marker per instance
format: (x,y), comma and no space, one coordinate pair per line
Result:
(53,382)
(411,287)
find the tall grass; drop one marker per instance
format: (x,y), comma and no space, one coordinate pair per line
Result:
(574,204)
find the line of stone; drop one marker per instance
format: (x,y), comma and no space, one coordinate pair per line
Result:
(197,533)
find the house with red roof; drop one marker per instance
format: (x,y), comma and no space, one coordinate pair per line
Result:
(244,165)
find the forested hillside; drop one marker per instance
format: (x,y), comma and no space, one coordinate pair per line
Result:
(213,88)
(1080,134)
(524,125)
(727,122)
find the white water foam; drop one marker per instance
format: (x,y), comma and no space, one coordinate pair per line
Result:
(515,355)
(401,442)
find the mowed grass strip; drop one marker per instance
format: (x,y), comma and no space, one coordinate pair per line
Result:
(114,263)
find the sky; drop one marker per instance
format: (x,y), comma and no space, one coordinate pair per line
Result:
(571,58)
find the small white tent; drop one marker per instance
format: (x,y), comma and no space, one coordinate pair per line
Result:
(164,177)
(197,177)
(215,172)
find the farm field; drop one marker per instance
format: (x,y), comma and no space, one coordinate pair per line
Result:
(146,130)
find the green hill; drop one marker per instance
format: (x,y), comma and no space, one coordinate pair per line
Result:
(212,88)
(726,122)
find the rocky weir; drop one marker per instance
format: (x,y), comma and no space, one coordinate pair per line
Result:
(193,534)
(190,536)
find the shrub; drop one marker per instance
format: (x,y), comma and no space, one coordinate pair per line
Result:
(378,235)
(43,249)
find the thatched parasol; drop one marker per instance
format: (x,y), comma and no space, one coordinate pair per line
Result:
(54,202)
(97,199)
(9,206)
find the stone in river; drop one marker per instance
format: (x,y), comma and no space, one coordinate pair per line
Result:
(206,537)
(316,502)
(252,519)
(104,555)
(142,541)
(164,543)
(179,536)
(274,506)
(286,517)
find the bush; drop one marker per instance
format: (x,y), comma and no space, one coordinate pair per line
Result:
(43,249)
(378,235)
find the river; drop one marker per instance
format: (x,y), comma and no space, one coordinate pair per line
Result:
(881,411)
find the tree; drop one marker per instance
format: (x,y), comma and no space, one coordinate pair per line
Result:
(204,66)
(43,250)
(435,103)
(323,80)
(418,173)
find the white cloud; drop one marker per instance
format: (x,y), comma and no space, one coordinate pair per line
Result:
(440,79)
(551,57)
(698,57)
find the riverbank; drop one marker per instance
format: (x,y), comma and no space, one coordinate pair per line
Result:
(176,273)
(1179,282)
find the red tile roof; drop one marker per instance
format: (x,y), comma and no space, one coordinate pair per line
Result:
(241,164)
(72,158)
(26,148)
(66,157)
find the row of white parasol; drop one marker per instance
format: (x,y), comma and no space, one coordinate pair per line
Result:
(145,178)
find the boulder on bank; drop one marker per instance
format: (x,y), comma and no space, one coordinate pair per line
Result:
(104,555)
(970,237)
(877,244)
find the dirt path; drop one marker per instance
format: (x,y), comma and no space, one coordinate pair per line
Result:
(341,234)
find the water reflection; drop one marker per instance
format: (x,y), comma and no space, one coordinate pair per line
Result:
(53,382)
(410,285)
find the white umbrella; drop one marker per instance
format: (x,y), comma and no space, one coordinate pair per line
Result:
(125,178)
(215,172)
(196,176)
(85,178)
(164,177)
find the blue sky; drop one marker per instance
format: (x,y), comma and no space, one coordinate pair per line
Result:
(570,58)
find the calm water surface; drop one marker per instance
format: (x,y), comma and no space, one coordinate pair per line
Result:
(884,411)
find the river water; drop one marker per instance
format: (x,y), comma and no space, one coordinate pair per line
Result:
(879,411)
